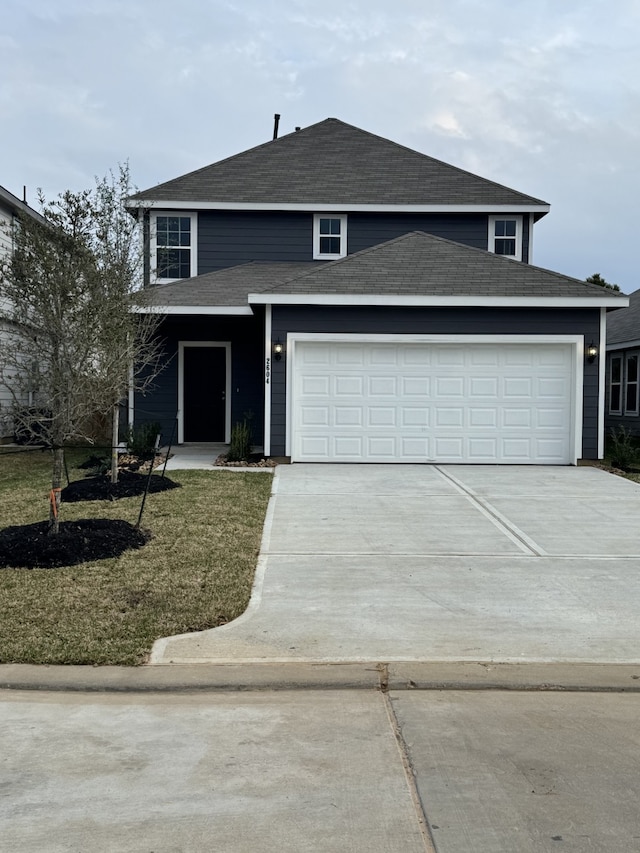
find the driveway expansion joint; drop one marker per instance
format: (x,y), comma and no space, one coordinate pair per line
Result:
(499,520)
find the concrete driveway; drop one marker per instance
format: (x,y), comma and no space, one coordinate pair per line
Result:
(424,563)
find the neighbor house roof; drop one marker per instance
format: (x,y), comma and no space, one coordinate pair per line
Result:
(331,165)
(623,327)
(415,269)
(12,203)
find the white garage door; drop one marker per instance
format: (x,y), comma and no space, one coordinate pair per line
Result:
(417,402)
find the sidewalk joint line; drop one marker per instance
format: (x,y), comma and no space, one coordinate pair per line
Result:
(409,774)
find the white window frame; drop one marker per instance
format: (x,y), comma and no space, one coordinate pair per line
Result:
(518,237)
(627,357)
(617,357)
(153,245)
(329,256)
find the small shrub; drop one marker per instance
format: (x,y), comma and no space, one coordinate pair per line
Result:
(141,440)
(624,451)
(240,445)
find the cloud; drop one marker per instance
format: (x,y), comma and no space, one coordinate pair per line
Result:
(544,97)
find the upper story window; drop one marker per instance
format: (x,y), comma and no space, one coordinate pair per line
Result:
(505,236)
(329,237)
(173,246)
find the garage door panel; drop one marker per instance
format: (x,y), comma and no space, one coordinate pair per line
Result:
(483,449)
(415,386)
(483,417)
(414,417)
(344,416)
(432,402)
(383,386)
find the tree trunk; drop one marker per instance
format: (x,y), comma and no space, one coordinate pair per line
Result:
(56,486)
(114,443)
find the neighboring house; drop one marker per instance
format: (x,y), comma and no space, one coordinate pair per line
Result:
(368,303)
(623,358)
(11,208)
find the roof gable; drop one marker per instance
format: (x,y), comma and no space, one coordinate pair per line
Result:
(333,163)
(624,326)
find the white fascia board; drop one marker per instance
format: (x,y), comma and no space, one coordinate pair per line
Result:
(345,207)
(432,301)
(624,345)
(193,309)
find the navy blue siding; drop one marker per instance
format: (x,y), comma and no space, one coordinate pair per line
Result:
(246,335)
(485,321)
(227,238)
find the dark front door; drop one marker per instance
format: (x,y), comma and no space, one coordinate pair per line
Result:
(204,384)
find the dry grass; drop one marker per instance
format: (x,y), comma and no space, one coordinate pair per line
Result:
(195,573)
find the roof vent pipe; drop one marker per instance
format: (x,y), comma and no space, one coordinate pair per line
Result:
(276,122)
(297,129)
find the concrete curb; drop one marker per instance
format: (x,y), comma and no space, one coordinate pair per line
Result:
(426,675)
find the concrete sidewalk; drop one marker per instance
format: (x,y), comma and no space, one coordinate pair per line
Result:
(438,564)
(327,771)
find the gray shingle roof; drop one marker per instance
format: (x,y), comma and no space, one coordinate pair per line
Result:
(228,287)
(416,264)
(624,325)
(334,163)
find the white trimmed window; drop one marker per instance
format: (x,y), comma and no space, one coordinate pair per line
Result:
(173,240)
(631,384)
(329,237)
(615,385)
(505,236)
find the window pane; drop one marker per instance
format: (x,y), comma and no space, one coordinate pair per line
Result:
(173,263)
(325,226)
(632,368)
(631,404)
(329,245)
(335,226)
(184,259)
(510,228)
(499,225)
(616,369)
(505,247)
(161,231)
(614,403)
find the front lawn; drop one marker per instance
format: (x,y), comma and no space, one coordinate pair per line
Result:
(196,572)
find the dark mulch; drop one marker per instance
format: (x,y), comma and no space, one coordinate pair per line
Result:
(30,546)
(101,488)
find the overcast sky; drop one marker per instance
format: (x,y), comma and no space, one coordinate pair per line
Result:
(543,97)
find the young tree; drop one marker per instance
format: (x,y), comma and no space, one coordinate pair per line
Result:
(73,343)
(596,278)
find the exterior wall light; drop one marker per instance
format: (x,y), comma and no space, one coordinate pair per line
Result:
(592,352)
(277,350)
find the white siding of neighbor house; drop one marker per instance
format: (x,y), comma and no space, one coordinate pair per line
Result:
(6,247)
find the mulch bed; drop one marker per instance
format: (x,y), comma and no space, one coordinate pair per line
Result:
(101,488)
(254,461)
(30,546)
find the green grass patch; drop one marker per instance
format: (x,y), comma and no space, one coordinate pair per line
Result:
(195,573)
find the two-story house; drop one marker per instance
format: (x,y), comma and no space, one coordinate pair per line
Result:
(11,209)
(368,303)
